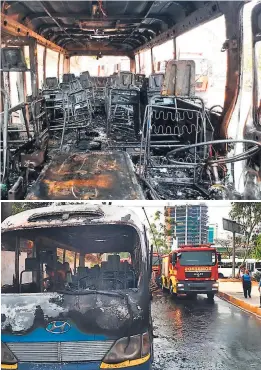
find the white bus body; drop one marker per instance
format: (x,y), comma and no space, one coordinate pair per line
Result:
(225,267)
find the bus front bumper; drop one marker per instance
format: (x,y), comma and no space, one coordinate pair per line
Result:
(197,287)
(76,366)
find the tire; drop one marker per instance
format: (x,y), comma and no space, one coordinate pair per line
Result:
(162,287)
(220,276)
(172,294)
(211,297)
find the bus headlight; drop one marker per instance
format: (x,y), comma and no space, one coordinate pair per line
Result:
(215,286)
(127,349)
(7,356)
(180,285)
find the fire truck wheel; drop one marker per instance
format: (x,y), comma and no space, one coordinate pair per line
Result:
(162,286)
(171,291)
(211,297)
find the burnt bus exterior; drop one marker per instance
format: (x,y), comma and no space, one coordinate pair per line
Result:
(77,328)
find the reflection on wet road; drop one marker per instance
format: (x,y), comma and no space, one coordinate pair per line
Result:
(198,335)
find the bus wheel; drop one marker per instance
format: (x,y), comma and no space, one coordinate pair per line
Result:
(171,291)
(220,276)
(211,297)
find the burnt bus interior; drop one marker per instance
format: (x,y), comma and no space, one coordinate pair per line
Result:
(74,259)
(127,135)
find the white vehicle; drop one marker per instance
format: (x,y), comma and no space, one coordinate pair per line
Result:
(253,266)
(225,267)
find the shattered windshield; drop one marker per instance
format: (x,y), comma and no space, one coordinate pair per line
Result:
(45,265)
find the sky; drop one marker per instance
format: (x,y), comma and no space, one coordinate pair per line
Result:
(216,210)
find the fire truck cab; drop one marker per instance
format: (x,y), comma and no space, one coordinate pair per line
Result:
(191,270)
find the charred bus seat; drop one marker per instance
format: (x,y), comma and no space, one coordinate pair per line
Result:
(111,275)
(51,83)
(123,105)
(68,77)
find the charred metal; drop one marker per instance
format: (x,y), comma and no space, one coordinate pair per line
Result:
(110,300)
(125,136)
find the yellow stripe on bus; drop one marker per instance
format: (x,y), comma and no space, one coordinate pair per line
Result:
(127,363)
(8,366)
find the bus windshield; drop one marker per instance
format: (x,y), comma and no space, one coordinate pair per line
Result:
(90,258)
(199,258)
(81,272)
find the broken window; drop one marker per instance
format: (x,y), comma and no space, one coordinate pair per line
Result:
(161,54)
(27,74)
(51,63)
(145,63)
(76,65)
(61,61)
(104,66)
(203,45)
(137,63)
(40,62)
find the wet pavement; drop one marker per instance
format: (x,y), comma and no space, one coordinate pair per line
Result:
(199,335)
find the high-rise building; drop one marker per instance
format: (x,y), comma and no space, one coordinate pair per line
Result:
(212,233)
(189,223)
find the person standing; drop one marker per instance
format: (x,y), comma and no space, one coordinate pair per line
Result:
(247,284)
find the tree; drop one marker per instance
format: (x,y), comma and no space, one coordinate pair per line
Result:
(257,250)
(18,207)
(249,216)
(6,210)
(160,232)
(227,244)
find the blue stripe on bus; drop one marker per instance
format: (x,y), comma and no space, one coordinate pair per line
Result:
(42,335)
(75,366)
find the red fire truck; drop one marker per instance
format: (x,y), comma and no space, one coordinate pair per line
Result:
(191,270)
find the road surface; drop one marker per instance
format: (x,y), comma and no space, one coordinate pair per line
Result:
(198,335)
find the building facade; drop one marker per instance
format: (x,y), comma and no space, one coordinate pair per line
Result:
(189,223)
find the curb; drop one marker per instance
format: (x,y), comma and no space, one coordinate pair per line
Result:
(254,283)
(239,303)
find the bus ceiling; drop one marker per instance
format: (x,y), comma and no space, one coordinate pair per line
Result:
(109,27)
